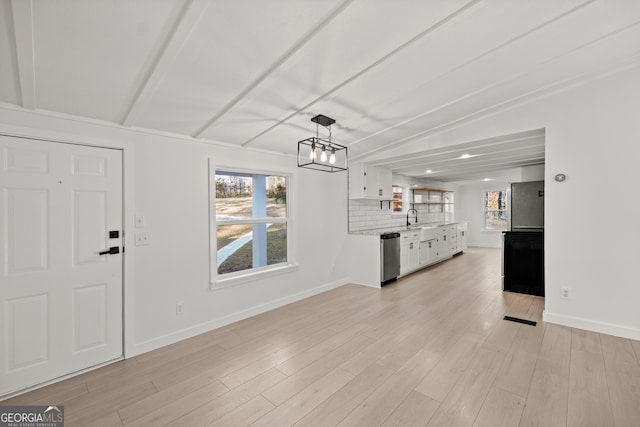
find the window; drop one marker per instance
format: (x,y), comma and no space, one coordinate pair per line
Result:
(250,223)
(495,210)
(398,199)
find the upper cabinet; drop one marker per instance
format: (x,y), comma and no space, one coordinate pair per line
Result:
(369,182)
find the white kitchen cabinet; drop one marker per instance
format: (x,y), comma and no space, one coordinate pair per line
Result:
(444,242)
(453,239)
(369,182)
(462,236)
(385,186)
(428,252)
(409,251)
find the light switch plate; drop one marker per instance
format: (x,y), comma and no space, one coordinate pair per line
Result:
(140,220)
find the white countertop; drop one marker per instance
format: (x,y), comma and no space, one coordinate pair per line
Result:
(379,231)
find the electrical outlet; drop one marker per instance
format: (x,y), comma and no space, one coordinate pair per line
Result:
(142,239)
(179,308)
(565,293)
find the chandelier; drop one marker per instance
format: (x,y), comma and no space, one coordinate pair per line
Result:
(321,153)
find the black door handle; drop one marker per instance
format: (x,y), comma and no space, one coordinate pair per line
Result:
(111,251)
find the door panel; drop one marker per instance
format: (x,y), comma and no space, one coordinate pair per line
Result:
(29,161)
(27,324)
(27,220)
(87,165)
(89,226)
(90,317)
(60,301)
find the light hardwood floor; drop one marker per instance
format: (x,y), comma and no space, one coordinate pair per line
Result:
(428,350)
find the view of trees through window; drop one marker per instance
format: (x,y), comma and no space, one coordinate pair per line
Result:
(398,200)
(251,221)
(495,210)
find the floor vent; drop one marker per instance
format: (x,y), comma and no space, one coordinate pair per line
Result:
(515,319)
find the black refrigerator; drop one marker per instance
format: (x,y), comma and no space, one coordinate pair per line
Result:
(523,244)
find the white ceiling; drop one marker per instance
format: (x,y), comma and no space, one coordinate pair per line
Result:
(253,72)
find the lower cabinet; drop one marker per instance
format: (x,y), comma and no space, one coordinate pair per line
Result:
(440,243)
(444,243)
(453,239)
(409,251)
(428,252)
(462,240)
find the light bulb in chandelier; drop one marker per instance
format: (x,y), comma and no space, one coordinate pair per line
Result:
(332,157)
(323,155)
(312,153)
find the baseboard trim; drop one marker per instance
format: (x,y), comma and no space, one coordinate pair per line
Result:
(353,282)
(591,325)
(192,331)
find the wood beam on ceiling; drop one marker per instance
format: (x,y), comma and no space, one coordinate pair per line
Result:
(459,167)
(360,73)
(484,147)
(558,86)
(271,69)
(481,90)
(22,11)
(167,55)
(470,172)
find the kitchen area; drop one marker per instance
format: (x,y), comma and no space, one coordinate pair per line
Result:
(399,225)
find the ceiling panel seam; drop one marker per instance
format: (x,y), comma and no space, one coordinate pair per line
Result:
(271,69)
(184,26)
(389,55)
(23,32)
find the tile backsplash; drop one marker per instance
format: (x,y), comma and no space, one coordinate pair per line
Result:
(367,215)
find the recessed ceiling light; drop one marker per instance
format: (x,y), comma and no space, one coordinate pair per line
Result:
(488,179)
(428,171)
(466,156)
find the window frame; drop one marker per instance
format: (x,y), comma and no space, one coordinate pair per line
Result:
(217,281)
(485,210)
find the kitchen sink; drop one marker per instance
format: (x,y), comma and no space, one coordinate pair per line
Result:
(428,232)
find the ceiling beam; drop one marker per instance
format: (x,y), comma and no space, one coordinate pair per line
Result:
(476,171)
(487,88)
(22,11)
(281,60)
(431,29)
(166,56)
(486,161)
(491,145)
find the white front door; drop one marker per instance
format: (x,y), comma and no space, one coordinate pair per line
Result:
(60,299)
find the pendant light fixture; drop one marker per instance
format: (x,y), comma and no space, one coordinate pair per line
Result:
(332,157)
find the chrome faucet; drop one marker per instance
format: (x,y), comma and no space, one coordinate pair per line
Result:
(408,212)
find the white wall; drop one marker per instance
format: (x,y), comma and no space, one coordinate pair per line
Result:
(592,226)
(469,207)
(532,173)
(166,179)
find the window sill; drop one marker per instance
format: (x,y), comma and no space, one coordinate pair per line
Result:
(252,276)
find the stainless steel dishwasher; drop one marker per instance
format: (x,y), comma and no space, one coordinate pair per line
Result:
(389,257)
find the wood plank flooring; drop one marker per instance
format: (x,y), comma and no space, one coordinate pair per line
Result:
(428,350)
